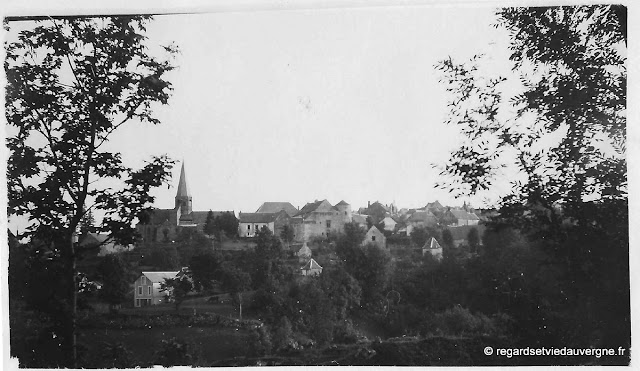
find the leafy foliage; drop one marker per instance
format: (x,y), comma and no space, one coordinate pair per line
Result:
(71,83)
(116,279)
(177,288)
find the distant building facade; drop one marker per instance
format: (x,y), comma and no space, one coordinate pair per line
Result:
(320,219)
(250,223)
(375,237)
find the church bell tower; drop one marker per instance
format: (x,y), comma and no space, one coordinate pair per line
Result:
(183,196)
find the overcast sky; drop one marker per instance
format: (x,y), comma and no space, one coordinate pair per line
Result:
(304,104)
(301,105)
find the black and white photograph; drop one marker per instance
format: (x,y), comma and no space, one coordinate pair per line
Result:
(316,183)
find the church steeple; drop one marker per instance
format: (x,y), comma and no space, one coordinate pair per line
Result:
(183,196)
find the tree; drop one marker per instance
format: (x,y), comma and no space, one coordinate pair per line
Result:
(177,289)
(116,280)
(165,258)
(569,195)
(209,225)
(235,282)
(204,270)
(447,239)
(473,237)
(71,83)
(287,234)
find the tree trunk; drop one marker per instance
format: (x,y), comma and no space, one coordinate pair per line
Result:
(69,324)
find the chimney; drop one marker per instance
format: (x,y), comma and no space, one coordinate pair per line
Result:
(368,204)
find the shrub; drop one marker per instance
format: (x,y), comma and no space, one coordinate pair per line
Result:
(174,352)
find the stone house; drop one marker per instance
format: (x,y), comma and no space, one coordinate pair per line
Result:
(389,223)
(460,217)
(321,219)
(375,237)
(250,223)
(147,288)
(420,219)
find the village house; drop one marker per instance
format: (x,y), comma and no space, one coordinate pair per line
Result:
(147,289)
(274,207)
(389,223)
(311,268)
(460,217)
(460,234)
(320,219)
(163,225)
(360,220)
(375,237)
(433,247)
(250,223)
(420,219)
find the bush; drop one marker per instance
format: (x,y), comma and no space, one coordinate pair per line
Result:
(174,352)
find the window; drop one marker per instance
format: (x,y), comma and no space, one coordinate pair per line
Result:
(139,290)
(345,213)
(373,238)
(149,287)
(144,280)
(249,227)
(137,302)
(328,223)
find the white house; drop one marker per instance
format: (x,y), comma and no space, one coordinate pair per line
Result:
(389,223)
(432,247)
(147,288)
(312,268)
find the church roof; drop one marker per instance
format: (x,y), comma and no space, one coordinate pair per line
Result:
(200,217)
(159,216)
(274,207)
(183,188)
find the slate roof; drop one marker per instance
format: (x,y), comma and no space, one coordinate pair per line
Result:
(464,215)
(342,203)
(432,243)
(200,217)
(259,217)
(93,239)
(274,207)
(158,277)
(360,219)
(159,216)
(311,207)
(422,216)
(311,264)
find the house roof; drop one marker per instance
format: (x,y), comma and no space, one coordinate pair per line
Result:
(463,214)
(159,276)
(93,238)
(311,264)
(432,243)
(274,207)
(435,205)
(360,219)
(422,216)
(341,203)
(260,217)
(374,229)
(304,250)
(311,207)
